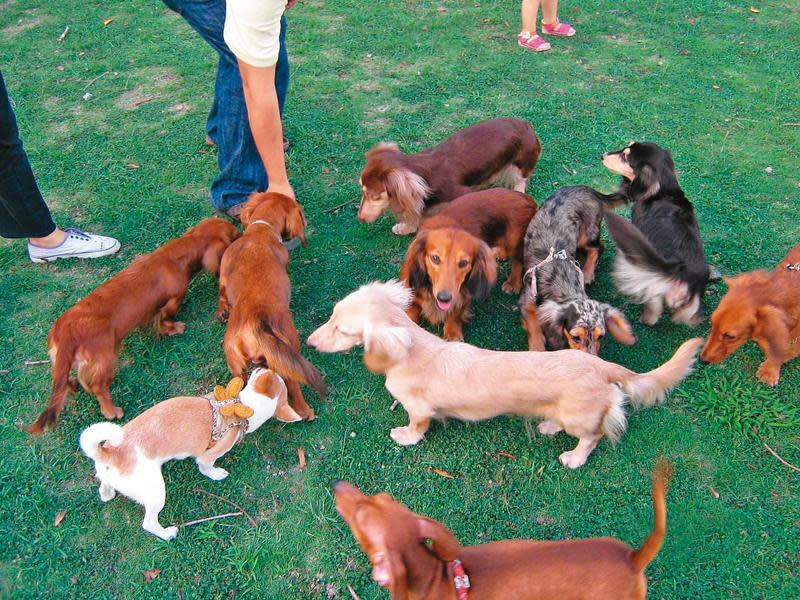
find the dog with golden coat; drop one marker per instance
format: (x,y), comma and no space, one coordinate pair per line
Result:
(572,391)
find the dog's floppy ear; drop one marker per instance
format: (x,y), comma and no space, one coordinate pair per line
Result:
(407,191)
(484,272)
(645,184)
(618,326)
(413,271)
(295,225)
(212,257)
(398,576)
(443,543)
(771,325)
(384,345)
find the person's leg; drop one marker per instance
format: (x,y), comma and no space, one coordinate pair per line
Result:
(282,68)
(549,11)
(23,212)
(530,9)
(241,171)
(550,22)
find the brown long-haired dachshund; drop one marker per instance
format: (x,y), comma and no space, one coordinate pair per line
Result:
(761,306)
(452,259)
(254,296)
(87,337)
(413,556)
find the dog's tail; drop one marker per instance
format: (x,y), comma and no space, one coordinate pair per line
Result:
(647,551)
(62,356)
(646,389)
(637,248)
(277,354)
(611,200)
(96,434)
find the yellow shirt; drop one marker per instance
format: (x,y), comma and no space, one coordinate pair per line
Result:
(252,30)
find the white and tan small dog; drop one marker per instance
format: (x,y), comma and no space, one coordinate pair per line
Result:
(128,459)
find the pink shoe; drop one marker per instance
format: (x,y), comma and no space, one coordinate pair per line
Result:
(559,29)
(533,42)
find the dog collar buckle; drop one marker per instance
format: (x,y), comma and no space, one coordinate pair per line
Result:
(793,267)
(460,579)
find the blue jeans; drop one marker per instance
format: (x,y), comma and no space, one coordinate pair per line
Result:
(23,212)
(241,170)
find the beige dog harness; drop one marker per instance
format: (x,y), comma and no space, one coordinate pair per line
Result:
(218,431)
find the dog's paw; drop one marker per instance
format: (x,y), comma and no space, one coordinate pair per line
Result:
(572,459)
(548,428)
(405,436)
(107,493)
(215,473)
(768,374)
(178,327)
(115,412)
(403,229)
(222,315)
(510,287)
(168,533)
(450,335)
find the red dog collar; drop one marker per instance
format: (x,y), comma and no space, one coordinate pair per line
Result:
(460,579)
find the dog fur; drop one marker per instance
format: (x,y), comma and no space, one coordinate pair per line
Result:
(660,257)
(128,459)
(571,390)
(149,290)
(497,151)
(763,306)
(561,315)
(412,555)
(254,297)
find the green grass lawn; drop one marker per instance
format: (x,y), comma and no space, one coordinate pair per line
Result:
(709,79)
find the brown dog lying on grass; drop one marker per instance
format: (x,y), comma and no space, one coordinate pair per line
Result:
(570,390)
(763,306)
(417,558)
(254,297)
(149,290)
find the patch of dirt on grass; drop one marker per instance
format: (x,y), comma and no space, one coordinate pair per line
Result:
(22,26)
(179,109)
(143,93)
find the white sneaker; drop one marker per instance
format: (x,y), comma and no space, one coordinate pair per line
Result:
(78,244)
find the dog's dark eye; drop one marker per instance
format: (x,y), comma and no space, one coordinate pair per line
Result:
(435,259)
(729,336)
(462,264)
(576,339)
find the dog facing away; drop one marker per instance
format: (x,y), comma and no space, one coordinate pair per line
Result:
(570,390)
(417,558)
(763,306)
(555,309)
(149,290)
(660,257)
(254,297)
(452,259)
(495,152)
(128,459)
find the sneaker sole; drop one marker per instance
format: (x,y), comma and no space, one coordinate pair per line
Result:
(94,254)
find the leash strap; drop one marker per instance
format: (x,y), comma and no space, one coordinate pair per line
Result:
(553,255)
(461,580)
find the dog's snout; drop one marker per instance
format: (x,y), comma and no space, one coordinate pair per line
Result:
(604,154)
(444,296)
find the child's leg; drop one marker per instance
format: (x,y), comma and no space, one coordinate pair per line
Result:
(529,10)
(549,12)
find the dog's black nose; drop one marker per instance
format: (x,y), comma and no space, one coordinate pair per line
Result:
(444,296)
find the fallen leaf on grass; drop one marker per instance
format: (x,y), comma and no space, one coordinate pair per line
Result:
(132,166)
(507,455)
(754,10)
(714,493)
(59,517)
(442,473)
(301,456)
(107,22)
(151,574)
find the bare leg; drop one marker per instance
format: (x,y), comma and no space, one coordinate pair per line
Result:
(411,433)
(153,506)
(165,321)
(297,401)
(577,457)
(530,10)
(549,11)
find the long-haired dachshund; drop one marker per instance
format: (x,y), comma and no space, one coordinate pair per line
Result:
(573,391)
(498,151)
(556,311)
(87,337)
(254,297)
(448,264)
(660,255)
(413,556)
(763,306)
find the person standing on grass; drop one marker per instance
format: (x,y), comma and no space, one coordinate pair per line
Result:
(249,94)
(528,38)
(23,211)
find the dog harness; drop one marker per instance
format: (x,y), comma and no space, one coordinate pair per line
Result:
(217,430)
(553,255)
(460,579)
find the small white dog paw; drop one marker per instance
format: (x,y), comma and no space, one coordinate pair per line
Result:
(169,533)
(405,436)
(403,229)
(548,428)
(216,473)
(107,493)
(572,459)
